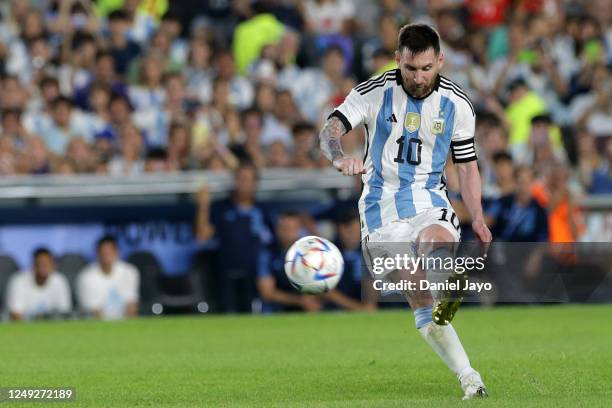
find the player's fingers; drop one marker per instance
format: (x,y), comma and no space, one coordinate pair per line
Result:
(358,167)
(355,167)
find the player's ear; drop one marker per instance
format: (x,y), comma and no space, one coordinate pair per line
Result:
(397,57)
(440,60)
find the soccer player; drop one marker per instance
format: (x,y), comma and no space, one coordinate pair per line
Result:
(412,117)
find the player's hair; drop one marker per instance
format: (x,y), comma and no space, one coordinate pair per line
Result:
(418,38)
(41,251)
(106,239)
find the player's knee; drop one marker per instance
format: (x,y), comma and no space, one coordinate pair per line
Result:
(435,234)
(422,316)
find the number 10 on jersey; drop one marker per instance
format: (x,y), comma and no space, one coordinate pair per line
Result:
(413,155)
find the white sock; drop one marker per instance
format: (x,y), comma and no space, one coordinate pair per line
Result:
(446,344)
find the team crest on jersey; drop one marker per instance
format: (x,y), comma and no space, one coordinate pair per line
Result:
(412,122)
(438,126)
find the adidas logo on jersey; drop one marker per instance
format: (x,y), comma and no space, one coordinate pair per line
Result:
(392,118)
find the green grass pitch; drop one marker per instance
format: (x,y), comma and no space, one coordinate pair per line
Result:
(552,356)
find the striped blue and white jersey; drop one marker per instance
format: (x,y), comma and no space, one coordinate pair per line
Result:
(407,143)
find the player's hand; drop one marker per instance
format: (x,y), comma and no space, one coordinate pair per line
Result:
(349,166)
(482,233)
(310,303)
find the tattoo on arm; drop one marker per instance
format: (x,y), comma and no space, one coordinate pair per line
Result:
(330,139)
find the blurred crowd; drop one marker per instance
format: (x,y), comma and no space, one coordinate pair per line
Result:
(123,87)
(130,86)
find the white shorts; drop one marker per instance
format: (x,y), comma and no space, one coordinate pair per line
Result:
(408,229)
(399,237)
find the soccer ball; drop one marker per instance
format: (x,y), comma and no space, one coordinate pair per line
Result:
(313,265)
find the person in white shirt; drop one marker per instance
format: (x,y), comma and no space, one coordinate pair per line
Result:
(108,288)
(40,292)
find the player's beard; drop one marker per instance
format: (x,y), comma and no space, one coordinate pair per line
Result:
(419,91)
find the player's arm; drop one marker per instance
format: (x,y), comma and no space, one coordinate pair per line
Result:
(471,192)
(464,156)
(349,114)
(331,147)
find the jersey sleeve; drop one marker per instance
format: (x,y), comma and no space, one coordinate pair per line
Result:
(462,140)
(352,112)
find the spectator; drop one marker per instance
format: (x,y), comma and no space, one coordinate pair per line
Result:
(278,156)
(123,49)
(156,161)
(523,106)
(240,88)
(273,129)
(305,146)
(14,95)
(39,293)
(64,123)
(355,290)
(34,157)
(78,63)
(565,219)
(198,72)
(518,217)
(316,86)
(329,16)
(594,110)
(148,91)
(504,173)
(12,127)
(492,139)
(129,161)
(242,229)
(274,288)
(108,288)
(595,171)
(104,72)
(544,146)
(260,29)
(251,149)
(286,110)
(179,146)
(171,26)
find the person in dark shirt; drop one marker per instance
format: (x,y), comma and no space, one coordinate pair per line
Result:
(123,49)
(517,217)
(355,284)
(272,282)
(242,229)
